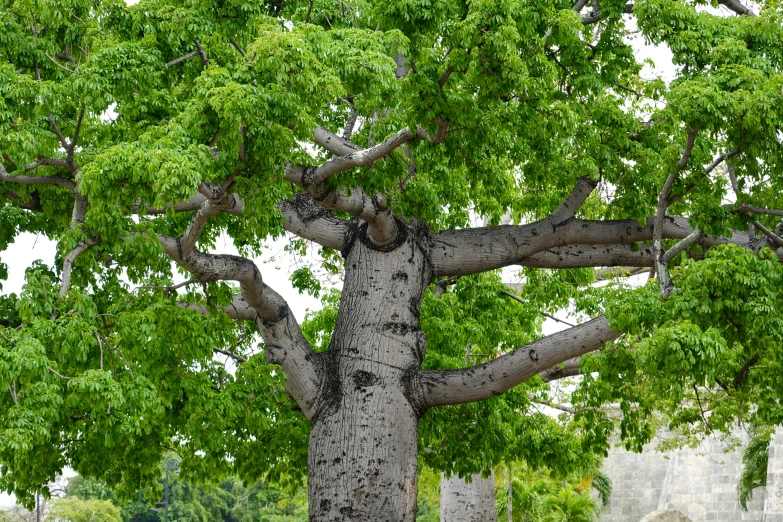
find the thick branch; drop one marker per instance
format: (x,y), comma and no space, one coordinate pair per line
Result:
(182,58)
(309,220)
(573,202)
(302,215)
(737,7)
(188,240)
(364,157)
(576,244)
(285,344)
(569,368)
(774,238)
(334,143)
(37,180)
(661,266)
(687,241)
(440,388)
(65,281)
(752,209)
(238,309)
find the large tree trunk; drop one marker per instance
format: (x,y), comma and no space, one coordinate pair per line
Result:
(363,444)
(463,502)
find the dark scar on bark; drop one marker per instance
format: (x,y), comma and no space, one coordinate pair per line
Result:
(533,355)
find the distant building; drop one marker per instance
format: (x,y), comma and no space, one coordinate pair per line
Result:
(700,483)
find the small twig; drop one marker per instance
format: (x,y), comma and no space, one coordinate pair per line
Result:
(698,400)
(234,356)
(167,288)
(58,374)
(100,346)
(550,316)
(58,64)
(58,132)
(12,389)
(75,138)
(623,87)
(547,315)
(309,10)
(551,404)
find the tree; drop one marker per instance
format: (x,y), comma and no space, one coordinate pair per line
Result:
(78,510)
(136,135)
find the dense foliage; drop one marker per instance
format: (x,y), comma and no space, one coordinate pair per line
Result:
(112,117)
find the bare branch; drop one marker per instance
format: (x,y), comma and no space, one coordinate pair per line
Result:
(687,241)
(49,162)
(567,209)
(65,281)
(664,280)
(737,7)
(774,238)
(309,220)
(37,180)
(578,243)
(237,47)
(364,157)
(551,404)
(285,344)
(58,132)
(201,53)
(752,209)
(238,309)
(75,139)
(334,143)
(58,64)
(237,358)
(182,58)
(720,159)
(303,216)
(545,314)
(439,388)
(606,274)
(350,123)
(188,240)
(569,368)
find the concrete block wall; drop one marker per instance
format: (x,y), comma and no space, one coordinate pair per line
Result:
(700,482)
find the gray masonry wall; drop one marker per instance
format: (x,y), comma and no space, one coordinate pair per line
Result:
(700,482)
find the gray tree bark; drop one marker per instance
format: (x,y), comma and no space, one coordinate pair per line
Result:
(363,443)
(463,502)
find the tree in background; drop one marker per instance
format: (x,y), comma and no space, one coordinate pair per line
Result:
(79,510)
(231,501)
(135,136)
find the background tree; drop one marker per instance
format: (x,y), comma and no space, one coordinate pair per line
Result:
(136,136)
(79,510)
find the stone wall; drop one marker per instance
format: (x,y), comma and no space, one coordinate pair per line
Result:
(700,482)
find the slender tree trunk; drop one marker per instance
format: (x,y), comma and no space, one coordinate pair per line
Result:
(463,502)
(363,443)
(510,495)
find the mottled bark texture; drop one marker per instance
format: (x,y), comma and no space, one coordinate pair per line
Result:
(363,453)
(463,502)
